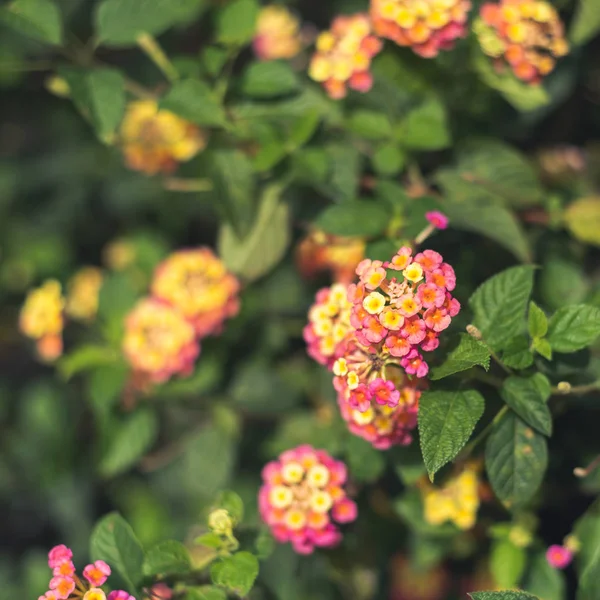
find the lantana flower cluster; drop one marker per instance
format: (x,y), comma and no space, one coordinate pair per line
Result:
(525,35)
(457,501)
(65,582)
(42,319)
(328,324)
(192,295)
(83,291)
(344,54)
(426,26)
(320,251)
(303,499)
(155,141)
(278,33)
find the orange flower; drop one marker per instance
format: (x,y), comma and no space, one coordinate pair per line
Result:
(156,140)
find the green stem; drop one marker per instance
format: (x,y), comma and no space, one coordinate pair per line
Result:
(577,389)
(156,54)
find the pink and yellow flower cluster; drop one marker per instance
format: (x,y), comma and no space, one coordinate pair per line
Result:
(344,54)
(426,26)
(192,295)
(65,583)
(328,324)
(278,33)
(303,499)
(525,35)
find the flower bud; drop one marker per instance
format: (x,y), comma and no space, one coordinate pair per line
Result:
(220,521)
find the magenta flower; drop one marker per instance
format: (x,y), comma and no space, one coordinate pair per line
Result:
(559,557)
(437,219)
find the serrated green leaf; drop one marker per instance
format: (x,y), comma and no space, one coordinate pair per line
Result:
(507,563)
(358,218)
(114,542)
(99,95)
(38,19)
(263,247)
(131,438)
(166,558)
(425,127)
(491,220)
(503,595)
(467,354)
(206,592)
(542,347)
(446,422)
(500,303)
(236,573)
(516,354)
(572,328)
(236,22)
(269,79)
(370,125)
(194,101)
(586,22)
(388,159)
(516,458)
(120,22)
(524,397)
(537,322)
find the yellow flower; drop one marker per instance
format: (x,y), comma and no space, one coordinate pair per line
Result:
(83,292)
(42,313)
(278,33)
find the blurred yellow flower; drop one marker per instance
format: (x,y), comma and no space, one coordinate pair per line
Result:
(83,291)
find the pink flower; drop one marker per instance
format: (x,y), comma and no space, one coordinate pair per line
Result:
(437,219)
(430,295)
(360,398)
(384,392)
(431,341)
(345,511)
(559,557)
(97,573)
(62,586)
(398,346)
(120,595)
(65,569)
(401,259)
(429,259)
(414,364)
(437,319)
(414,330)
(59,555)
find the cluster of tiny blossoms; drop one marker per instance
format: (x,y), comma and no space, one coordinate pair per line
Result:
(526,35)
(328,324)
(42,319)
(402,316)
(155,141)
(65,583)
(457,501)
(344,55)
(427,26)
(278,34)
(303,497)
(83,292)
(320,251)
(192,294)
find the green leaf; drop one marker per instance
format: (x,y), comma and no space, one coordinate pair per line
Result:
(542,347)
(425,127)
(523,96)
(364,462)
(446,422)
(303,129)
(586,22)
(516,354)
(503,595)
(236,573)
(563,282)
(131,438)
(114,542)
(232,503)
(388,159)
(582,219)
(357,218)
(500,303)
(194,101)
(516,458)
(99,95)
(491,220)
(537,322)
(210,540)
(346,166)
(38,19)
(120,22)
(543,580)
(86,357)
(507,563)
(370,125)
(589,582)
(236,22)
(467,354)
(269,79)
(524,397)
(572,328)
(206,592)
(263,247)
(264,544)
(167,558)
